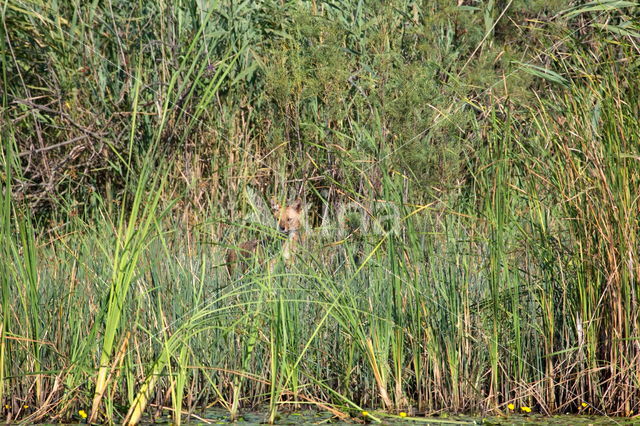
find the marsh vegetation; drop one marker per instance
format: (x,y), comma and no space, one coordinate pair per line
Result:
(470,173)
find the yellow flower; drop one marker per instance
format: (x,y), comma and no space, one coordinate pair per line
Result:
(584,405)
(82,414)
(365,413)
(526,409)
(25,406)
(403,414)
(511,406)
(6,406)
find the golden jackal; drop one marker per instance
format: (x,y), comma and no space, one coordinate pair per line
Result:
(288,218)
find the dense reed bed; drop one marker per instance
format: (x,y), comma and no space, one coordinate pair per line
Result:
(470,176)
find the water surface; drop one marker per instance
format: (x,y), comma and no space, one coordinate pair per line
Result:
(218,416)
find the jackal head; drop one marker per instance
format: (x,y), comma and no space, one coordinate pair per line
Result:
(288,217)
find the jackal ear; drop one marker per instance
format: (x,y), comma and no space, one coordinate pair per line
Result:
(297,205)
(275,206)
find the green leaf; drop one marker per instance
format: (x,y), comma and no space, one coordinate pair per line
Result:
(598,6)
(619,29)
(543,73)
